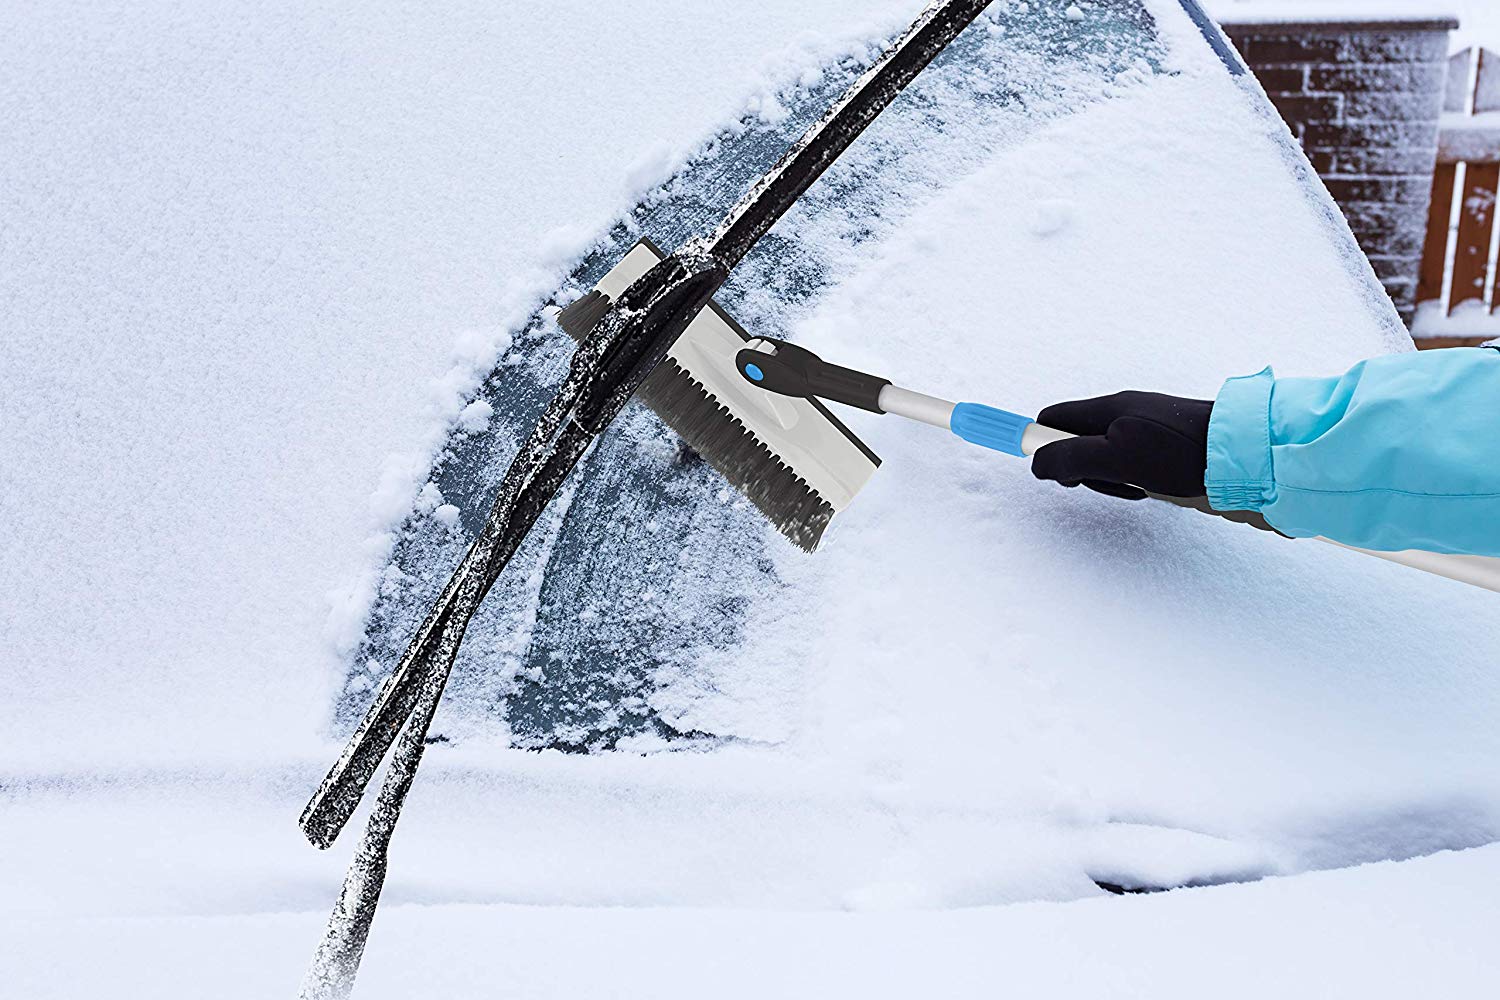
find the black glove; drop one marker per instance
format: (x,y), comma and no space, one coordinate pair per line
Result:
(1129,444)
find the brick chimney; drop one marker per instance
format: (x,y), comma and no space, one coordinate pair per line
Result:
(1363,97)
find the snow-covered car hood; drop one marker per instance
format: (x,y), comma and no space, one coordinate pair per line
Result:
(277,309)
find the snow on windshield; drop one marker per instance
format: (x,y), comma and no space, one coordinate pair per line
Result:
(645,574)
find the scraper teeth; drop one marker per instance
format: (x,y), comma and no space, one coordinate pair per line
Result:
(717,435)
(711,430)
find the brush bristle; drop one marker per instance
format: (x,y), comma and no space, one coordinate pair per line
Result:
(579,317)
(710,429)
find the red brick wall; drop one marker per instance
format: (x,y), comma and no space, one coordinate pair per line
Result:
(1364,100)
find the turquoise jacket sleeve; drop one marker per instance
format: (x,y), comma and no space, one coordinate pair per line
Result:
(1400,452)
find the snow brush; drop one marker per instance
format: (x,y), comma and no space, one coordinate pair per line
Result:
(786,370)
(791,458)
(625,333)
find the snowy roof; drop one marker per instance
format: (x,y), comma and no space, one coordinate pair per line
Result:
(1424,12)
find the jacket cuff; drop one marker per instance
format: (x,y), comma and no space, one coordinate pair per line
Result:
(1239,474)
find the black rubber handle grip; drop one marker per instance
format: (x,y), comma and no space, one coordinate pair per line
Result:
(847,386)
(796,371)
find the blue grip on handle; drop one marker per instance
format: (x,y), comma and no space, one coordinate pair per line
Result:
(989,427)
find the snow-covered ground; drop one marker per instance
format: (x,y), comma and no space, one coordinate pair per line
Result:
(230,912)
(251,259)
(1470,319)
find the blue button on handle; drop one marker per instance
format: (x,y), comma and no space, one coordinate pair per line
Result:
(754,372)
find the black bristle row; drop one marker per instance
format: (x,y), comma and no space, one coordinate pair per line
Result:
(579,317)
(715,433)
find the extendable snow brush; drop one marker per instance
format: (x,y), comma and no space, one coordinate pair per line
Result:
(785,370)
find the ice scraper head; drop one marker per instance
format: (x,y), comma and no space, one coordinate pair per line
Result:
(792,458)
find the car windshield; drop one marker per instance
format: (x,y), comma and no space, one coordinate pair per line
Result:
(649,590)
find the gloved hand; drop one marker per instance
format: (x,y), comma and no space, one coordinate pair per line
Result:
(1129,443)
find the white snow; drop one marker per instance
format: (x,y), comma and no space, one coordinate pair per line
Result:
(429,498)
(1479,24)
(1468,319)
(476,416)
(254,262)
(206,890)
(1051,215)
(1478,20)
(1291,11)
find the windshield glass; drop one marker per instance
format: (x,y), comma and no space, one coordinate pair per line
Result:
(639,611)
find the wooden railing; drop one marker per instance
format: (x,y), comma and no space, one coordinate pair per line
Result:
(1457,298)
